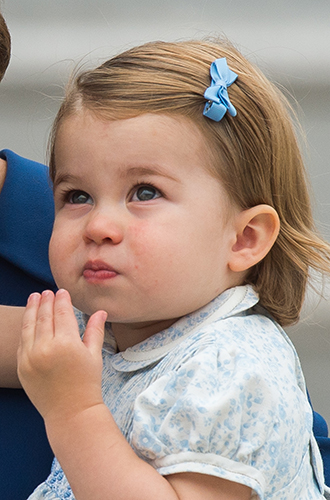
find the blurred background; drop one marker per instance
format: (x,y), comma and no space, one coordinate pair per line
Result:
(288,39)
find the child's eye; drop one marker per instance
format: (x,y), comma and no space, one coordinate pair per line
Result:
(79,198)
(145,193)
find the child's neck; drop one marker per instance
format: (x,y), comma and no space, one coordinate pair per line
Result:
(130,334)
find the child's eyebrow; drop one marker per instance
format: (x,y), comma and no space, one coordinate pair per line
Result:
(148,171)
(130,172)
(63,178)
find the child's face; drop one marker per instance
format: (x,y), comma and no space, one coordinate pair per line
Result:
(142,230)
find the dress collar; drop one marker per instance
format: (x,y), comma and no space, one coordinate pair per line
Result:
(229,303)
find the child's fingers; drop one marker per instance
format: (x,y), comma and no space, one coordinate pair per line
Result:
(30,320)
(64,317)
(45,317)
(94,333)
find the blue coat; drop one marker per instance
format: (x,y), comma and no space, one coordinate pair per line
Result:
(26,218)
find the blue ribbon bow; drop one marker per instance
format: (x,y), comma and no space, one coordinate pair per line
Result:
(216,94)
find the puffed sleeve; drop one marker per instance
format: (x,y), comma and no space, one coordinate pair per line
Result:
(222,413)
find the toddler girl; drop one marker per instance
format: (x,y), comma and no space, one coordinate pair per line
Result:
(183,217)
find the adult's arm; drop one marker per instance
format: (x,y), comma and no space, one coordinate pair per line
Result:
(10,330)
(3,170)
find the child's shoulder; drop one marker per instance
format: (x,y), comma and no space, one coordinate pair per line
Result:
(245,342)
(241,325)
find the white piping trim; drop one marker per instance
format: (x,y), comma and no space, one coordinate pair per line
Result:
(238,294)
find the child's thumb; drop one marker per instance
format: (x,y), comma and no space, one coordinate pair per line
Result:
(94,333)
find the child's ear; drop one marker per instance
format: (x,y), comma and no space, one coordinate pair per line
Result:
(256,231)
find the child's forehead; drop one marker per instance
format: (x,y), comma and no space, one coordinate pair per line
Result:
(142,141)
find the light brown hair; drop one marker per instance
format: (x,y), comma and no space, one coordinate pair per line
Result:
(255,154)
(5,46)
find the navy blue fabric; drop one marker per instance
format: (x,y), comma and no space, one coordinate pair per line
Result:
(26,218)
(320,430)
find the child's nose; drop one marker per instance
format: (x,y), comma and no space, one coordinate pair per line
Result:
(102,227)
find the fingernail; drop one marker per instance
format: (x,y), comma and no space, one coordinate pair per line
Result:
(33,297)
(104,316)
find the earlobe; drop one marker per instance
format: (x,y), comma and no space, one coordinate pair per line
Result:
(256,231)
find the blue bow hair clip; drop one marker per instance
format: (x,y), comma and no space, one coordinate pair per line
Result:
(216,94)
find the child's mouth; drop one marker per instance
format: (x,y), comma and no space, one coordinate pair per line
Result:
(96,271)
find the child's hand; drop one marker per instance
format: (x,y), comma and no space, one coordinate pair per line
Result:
(60,373)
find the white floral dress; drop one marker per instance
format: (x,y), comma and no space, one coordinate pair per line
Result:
(220,392)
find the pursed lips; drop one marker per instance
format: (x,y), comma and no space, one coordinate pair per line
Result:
(96,271)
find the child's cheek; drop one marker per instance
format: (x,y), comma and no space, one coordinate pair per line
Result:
(148,241)
(153,254)
(140,239)
(58,256)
